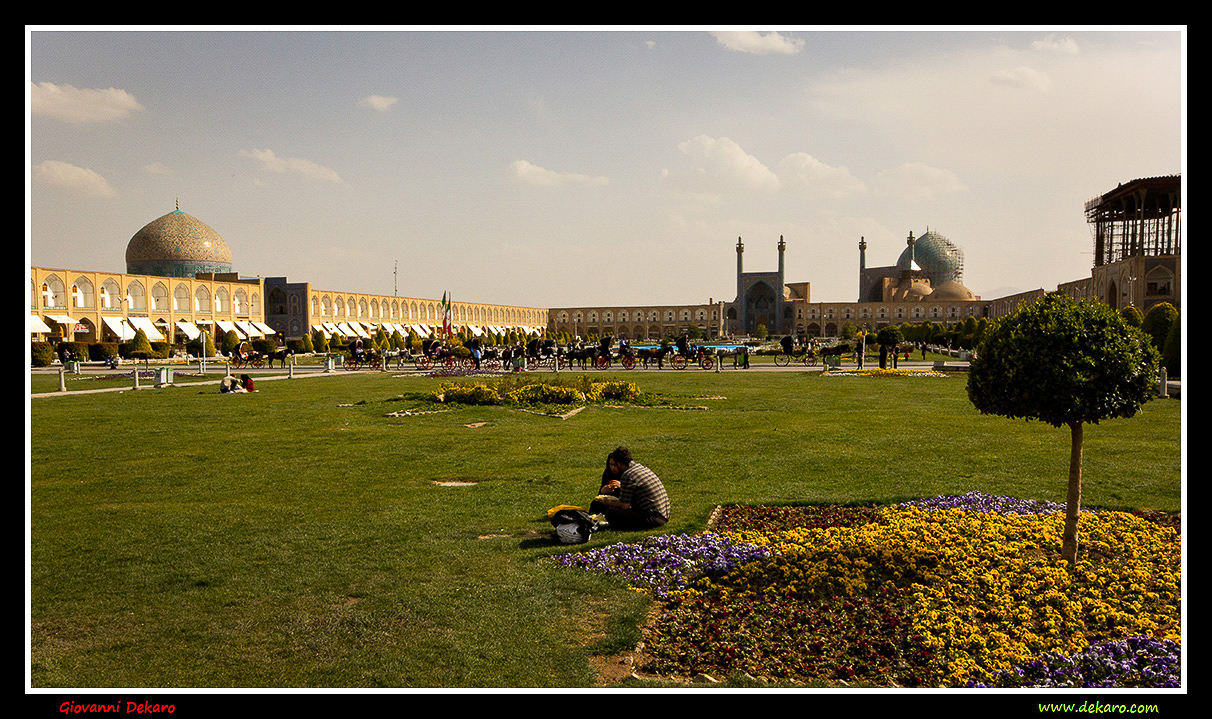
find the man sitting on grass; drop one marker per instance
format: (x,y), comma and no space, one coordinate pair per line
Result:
(632,496)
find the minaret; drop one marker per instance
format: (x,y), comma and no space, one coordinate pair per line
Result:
(740,268)
(780,290)
(740,285)
(862,268)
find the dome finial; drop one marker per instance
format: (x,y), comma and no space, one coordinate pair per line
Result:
(178,204)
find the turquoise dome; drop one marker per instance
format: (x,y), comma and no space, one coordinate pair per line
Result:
(177,245)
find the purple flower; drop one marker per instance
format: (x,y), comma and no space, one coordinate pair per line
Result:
(1134,662)
(981,502)
(663,563)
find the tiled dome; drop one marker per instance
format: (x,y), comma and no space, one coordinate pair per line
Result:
(936,256)
(177,245)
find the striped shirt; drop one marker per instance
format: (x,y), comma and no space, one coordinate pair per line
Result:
(642,489)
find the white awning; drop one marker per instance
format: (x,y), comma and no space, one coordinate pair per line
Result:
(119,327)
(475,330)
(345,330)
(63,320)
(265,329)
(37,326)
(247,328)
(189,328)
(225,327)
(142,323)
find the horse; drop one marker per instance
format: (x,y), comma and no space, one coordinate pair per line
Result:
(657,353)
(580,354)
(838,350)
(280,356)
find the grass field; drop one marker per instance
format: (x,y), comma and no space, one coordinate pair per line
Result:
(301,537)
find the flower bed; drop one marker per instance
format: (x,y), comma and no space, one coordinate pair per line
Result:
(964,590)
(876,372)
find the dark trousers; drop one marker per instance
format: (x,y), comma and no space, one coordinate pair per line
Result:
(628,519)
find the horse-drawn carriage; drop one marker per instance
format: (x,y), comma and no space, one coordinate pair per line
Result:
(359,358)
(809,357)
(244,357)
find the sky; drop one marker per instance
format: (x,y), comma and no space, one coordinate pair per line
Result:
(584,167)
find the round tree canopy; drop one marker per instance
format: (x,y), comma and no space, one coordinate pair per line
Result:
(1062,361)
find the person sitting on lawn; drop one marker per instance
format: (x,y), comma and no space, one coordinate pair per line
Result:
(631,496)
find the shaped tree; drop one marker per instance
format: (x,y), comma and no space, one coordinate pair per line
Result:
(1066,363)
(890,336)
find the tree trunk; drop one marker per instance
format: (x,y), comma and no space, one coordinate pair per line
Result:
(1074,500)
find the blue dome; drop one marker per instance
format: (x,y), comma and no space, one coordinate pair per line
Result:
(177,245)
(938,258)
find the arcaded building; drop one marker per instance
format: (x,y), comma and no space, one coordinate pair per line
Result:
(180,280)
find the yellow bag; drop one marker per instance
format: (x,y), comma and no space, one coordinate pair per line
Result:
(551,512)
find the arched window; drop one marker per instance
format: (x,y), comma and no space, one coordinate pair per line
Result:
(202,301)
(138,297)
(159,297)
(53,292)
(181,298)
(222,301)
(110,294)
(82,293)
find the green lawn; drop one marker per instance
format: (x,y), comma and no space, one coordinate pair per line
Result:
(299,537)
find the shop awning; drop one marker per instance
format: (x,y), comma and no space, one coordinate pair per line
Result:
(142,323)
(63,320)
(265,329)
(118,326)
(189,328)
(247,328)
(37,326)
(225,327)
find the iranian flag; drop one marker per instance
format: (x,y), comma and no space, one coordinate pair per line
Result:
(446,328)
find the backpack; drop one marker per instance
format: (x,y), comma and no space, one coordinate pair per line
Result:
(572,526)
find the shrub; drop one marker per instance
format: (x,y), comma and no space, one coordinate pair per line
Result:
(617,390)
(41,354)
(546,394)
(467,394)
(102,351)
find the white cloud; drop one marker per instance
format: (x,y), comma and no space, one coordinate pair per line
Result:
(719,164)
(382,103)
(282,165)
(1063,46)
(1022,76)
(758,43)
(804,170)
(531,174)
(918,181)
(64,175)
(70,104)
